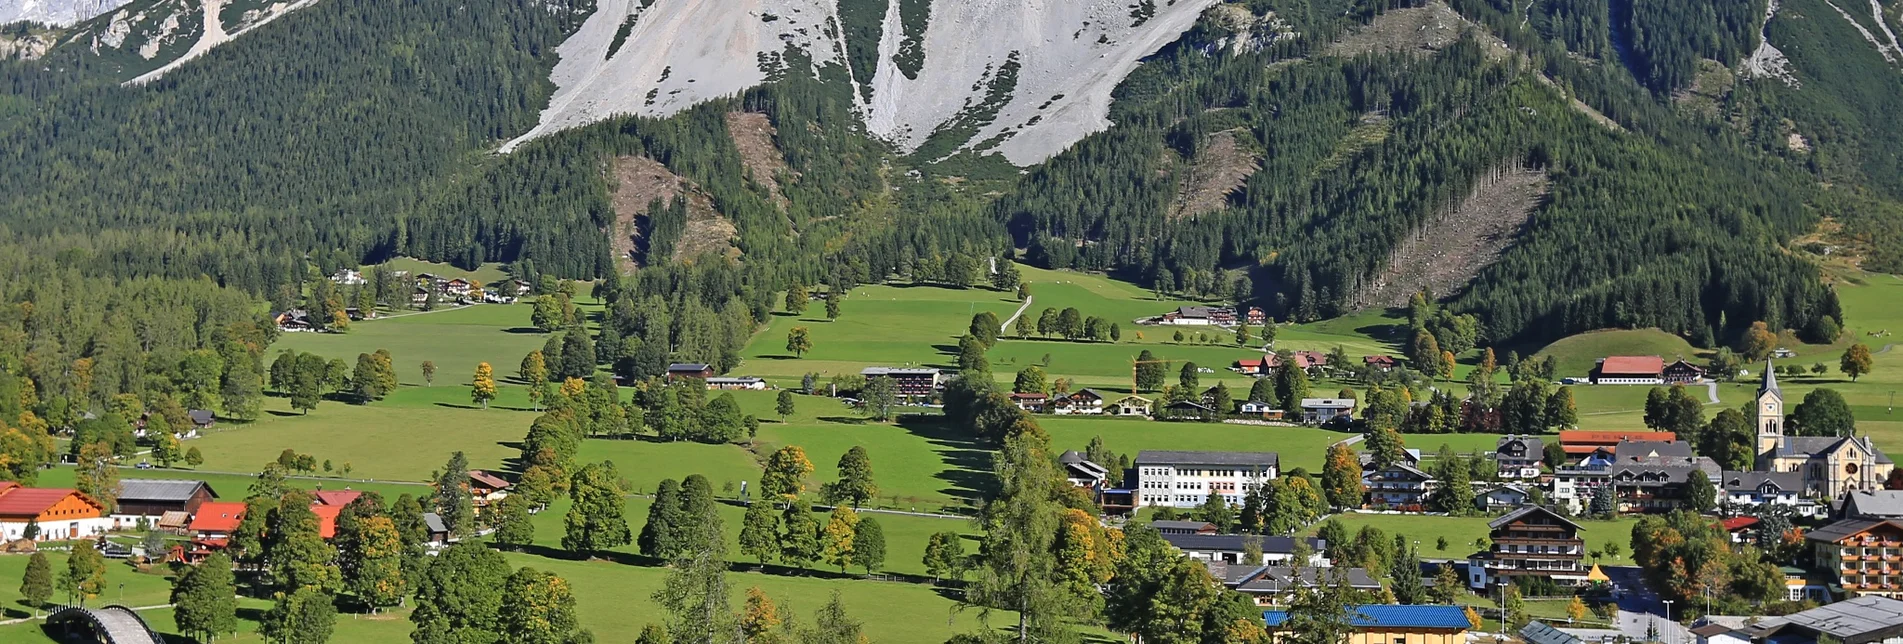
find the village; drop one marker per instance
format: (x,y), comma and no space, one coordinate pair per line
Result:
(1280,464)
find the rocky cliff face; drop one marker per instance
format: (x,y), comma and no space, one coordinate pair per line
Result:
(1020,78)
(54,12)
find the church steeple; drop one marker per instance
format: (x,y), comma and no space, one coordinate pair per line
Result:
(1769,412)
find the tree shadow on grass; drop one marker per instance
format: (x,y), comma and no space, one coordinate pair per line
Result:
(967,461)
(457,405)
(844,420)
(523,330)
(282,414)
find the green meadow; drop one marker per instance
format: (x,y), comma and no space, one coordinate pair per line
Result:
(394,445)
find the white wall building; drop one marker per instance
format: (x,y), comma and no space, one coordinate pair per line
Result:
(1185,479)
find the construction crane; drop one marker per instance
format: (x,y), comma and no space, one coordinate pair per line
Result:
(1135,364)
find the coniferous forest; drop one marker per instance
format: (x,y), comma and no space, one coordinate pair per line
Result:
(361,132)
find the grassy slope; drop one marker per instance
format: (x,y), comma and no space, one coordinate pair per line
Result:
(1461,532)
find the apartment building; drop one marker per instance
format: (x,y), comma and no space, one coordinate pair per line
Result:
(1185,479)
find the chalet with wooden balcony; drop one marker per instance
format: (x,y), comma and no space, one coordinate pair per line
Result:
(1532,541)
(1865,557)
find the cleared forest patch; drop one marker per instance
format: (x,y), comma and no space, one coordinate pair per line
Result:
(1450,249)
(1220,168)
(753,134)
(636,183)
(1424,30)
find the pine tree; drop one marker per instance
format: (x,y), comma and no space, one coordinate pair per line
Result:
(451,496)
(660,533)
(783,404)
(36,586)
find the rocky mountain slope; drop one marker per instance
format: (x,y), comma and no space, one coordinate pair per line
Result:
(1024,79)
(54,12)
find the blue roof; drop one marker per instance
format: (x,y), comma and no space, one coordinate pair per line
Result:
(1386,616)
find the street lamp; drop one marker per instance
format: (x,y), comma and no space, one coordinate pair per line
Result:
(1668,611)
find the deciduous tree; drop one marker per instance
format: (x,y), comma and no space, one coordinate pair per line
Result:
(482,388)
(205,599)
(597,521)
(1856,361)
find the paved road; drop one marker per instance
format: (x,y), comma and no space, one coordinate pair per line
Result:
(1006,326)
(1711,389)
(1640,609)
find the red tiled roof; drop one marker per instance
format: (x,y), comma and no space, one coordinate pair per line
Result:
(327,519)
(338,498)
(1578,441)
(487,480)
(1251,362)
(1378,360)
(218,516)
(1632,365)
(7,485)
(31,501)
(1735,524)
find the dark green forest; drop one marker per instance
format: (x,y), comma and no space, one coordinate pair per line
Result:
(359,132)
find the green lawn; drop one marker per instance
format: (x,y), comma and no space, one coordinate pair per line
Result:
(1577,355)
(455,339)
(489,273)
(613,600)
(404,437)
(1461,532)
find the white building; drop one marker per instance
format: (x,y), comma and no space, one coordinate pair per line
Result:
(1185,479)
(348,277)
(1322,410)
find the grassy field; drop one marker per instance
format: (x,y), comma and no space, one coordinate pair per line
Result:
(613,600)
(1577,355)
(1460,533)
(918,462)
(455,339)
(489,273)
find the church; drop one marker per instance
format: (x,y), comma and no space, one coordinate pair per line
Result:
(1830,465)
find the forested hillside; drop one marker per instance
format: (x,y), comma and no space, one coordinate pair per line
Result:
(350,132)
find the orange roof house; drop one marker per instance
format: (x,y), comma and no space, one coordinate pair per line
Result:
(217,517)
(338,498)
(1583,442)
(327,519)
(45,505)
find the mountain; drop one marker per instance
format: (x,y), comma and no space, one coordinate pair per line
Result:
(1024,79)
(53,12)
(1582,164)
